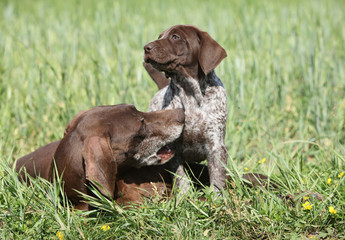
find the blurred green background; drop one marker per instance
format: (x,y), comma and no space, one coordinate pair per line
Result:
(284,74)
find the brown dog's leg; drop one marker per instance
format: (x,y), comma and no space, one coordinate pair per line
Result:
(157,76)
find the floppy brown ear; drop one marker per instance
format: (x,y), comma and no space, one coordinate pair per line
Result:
(210,54)
(100,164)
(156,76)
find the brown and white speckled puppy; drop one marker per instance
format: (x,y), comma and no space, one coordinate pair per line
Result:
(188,57)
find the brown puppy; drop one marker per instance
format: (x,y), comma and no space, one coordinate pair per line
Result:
(133,185)
(188,56)
(103,141)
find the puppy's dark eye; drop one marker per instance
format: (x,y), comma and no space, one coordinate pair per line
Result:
(175,37)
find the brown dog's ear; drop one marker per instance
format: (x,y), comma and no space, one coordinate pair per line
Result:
(210,54)
(156,76)
(100,164)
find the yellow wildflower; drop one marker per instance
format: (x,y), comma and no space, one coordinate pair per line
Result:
(59,235)
(303,180)
(332,210)
(341,174)
(307,206)
(262,161)
(246,169)
(329,180)
(105,227)
(306,197)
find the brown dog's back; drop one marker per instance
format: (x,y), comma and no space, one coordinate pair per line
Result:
(37,163)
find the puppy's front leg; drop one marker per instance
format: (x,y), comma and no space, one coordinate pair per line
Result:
(182,182)
(216,163)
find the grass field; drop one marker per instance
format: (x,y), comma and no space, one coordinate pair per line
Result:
(285,79)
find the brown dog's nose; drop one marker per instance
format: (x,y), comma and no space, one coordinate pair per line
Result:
(148,47)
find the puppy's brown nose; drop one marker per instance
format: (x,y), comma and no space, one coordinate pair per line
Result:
(148,47)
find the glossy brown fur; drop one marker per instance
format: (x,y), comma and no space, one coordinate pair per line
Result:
(100,143)
(37,163)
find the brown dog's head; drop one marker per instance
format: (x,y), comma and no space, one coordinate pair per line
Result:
(99,141)
(184,49)
(136,138)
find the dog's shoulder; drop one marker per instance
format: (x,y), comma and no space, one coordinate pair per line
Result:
(163,99)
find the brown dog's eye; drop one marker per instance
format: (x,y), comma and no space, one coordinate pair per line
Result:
(175,37)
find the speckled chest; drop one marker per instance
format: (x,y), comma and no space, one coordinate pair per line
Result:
(205,120)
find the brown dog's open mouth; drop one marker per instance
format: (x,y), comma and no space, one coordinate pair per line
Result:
(166,153)
(158,65)
(154,63)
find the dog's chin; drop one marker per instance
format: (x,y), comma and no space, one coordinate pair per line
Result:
(167,66)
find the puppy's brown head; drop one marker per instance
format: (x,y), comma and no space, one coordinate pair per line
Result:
(185,49)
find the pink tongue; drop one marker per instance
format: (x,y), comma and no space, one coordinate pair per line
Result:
(165,153)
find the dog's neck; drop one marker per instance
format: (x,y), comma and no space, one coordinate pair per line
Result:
(193,87)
